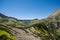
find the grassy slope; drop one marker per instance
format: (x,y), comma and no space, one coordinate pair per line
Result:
(6,36)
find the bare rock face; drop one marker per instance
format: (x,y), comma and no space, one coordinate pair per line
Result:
(22,35)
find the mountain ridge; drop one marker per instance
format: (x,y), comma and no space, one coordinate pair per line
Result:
(57,12)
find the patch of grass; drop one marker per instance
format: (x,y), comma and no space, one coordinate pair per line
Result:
(6,36)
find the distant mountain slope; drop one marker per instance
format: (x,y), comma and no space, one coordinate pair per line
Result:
(3,16)
(26,23)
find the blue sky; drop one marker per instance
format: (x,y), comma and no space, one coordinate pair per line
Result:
(29,9)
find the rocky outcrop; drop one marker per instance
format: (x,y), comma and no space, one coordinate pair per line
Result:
(20,34)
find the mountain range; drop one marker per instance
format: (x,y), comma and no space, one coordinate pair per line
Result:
(44,29)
